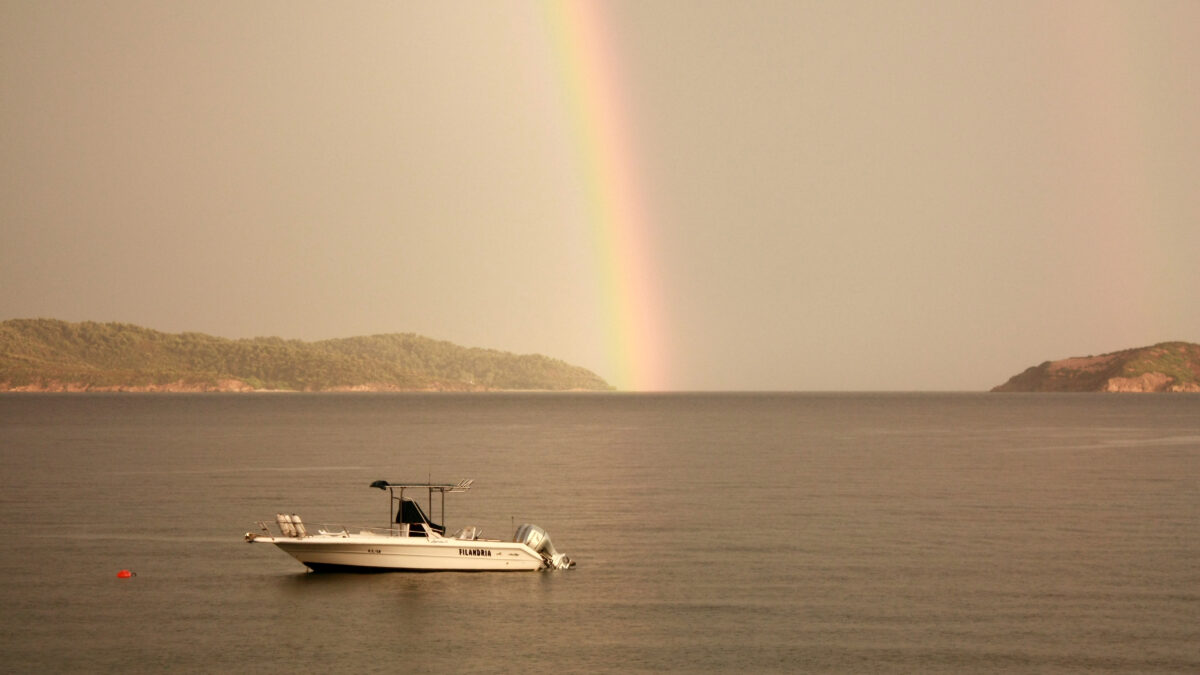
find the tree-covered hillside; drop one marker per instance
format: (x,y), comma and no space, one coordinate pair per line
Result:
(46,354)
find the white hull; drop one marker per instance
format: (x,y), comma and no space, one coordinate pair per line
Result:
(380,553)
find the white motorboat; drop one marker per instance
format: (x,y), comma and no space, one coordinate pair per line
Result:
(412,541)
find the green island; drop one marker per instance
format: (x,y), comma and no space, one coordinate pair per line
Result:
(53,355)
(1164,367)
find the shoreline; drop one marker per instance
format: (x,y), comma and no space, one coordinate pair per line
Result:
(240,387)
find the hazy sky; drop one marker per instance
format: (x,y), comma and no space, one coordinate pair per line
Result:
(830,195)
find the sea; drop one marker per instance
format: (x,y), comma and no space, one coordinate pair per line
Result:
(713,532)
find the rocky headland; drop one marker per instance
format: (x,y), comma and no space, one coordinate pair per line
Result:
(1164,367)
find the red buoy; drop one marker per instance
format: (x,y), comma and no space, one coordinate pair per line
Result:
(124,574)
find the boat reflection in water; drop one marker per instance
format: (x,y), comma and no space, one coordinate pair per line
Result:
(412,541)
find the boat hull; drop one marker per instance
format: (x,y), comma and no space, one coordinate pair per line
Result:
(414,554)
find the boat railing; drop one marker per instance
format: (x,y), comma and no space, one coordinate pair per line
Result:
(397,530)
(338,530)
(293,528)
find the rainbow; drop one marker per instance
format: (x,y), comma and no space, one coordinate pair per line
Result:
(589,75)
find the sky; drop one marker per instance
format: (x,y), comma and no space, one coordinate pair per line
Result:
(678,195)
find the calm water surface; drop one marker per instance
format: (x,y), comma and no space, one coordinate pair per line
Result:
(714,532)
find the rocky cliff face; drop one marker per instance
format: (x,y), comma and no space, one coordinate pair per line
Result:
(1165,367)
(222,386)
(179,386)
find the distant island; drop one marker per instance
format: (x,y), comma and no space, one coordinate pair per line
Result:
(1164,367)
(52,355)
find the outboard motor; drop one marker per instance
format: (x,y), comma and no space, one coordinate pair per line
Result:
(539,540)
